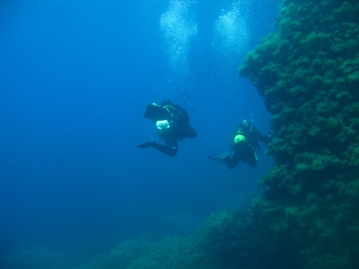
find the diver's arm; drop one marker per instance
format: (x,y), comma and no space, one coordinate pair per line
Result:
(265,139)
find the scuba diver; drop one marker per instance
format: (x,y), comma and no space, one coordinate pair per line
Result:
(172,124)
(244,143)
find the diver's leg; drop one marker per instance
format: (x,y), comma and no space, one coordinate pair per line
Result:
(170,151)
(233,162)
(220,158)
(146,144)
(170,148)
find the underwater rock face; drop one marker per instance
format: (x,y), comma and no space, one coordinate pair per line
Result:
(308,75)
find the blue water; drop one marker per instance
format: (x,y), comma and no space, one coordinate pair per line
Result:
(75,78)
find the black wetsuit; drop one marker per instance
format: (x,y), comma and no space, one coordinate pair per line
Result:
(179,129)
(243,150)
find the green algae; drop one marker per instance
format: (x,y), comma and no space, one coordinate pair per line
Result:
(314,100)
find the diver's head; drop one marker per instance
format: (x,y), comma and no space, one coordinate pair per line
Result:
(245,123)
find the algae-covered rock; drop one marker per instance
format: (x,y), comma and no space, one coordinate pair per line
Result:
(310,84)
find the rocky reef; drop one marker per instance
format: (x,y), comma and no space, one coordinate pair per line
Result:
(308,75)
